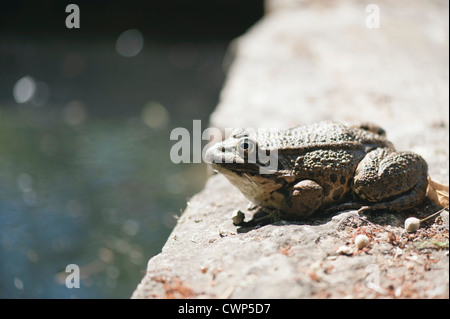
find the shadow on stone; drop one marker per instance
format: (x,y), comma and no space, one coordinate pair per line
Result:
(263,217)
(397,218)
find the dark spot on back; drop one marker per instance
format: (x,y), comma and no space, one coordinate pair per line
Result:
(326,189)
(342,180)
(337,194)
(333,178)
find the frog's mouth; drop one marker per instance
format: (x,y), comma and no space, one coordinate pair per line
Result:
(238,168)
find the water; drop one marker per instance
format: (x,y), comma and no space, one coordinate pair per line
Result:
(85,173)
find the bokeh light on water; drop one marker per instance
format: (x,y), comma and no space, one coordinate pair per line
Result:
(155,115)
(130,43)
(24,89)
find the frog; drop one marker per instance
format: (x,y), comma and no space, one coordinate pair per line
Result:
(320,167)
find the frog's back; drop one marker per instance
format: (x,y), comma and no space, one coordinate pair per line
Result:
(320,135)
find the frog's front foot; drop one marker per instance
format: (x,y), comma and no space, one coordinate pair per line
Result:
(305,198)
(263,216)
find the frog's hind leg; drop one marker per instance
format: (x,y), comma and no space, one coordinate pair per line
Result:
(391,180)
(410,199)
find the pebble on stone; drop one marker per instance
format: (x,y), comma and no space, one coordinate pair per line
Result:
(412,224)
(344,250)
(237,217)
(361,241)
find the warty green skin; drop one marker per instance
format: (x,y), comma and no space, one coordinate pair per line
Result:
(321,166)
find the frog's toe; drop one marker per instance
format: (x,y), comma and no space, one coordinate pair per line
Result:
(364,209)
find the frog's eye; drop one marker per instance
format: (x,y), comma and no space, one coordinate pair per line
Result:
(247,145)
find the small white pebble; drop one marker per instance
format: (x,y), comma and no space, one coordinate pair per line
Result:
(361,241)
(398,291)
(412,224)
(344,250)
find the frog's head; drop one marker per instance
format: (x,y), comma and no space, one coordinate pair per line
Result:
(241,153)
(248,164)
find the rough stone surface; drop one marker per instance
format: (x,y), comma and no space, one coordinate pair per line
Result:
(307,61)
(206,256)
